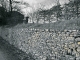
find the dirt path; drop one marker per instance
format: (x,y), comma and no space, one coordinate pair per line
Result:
(5,52)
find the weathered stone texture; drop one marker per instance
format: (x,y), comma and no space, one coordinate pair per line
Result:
(44,44)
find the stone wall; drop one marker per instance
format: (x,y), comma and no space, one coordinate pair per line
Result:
(45,44)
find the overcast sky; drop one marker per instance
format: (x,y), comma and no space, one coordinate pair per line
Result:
(37,4)
(43,2)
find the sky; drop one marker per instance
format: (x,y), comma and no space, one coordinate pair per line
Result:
(63,1)
(35,5)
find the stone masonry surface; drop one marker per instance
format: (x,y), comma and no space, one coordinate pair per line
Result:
(45,44)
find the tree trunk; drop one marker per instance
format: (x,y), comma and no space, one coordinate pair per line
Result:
(77,10)
(57,16)
(10,5)
(44,19)
(37,16)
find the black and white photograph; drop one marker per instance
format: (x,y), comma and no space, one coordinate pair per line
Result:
(39,29)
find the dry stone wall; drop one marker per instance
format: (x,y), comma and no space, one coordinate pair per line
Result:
(45,44)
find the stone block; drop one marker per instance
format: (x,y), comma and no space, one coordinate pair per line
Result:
(77,39)
(78,49)
(78,43)
(78,58)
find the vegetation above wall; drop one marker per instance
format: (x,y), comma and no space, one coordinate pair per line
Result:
(59,25)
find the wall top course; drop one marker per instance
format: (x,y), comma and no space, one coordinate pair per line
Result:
(36,29)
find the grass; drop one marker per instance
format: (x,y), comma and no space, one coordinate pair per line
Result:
(59,25)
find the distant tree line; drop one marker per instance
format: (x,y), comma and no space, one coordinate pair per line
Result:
(68,11)
(9,17)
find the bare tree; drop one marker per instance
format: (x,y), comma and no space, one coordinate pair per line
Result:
(10,2)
